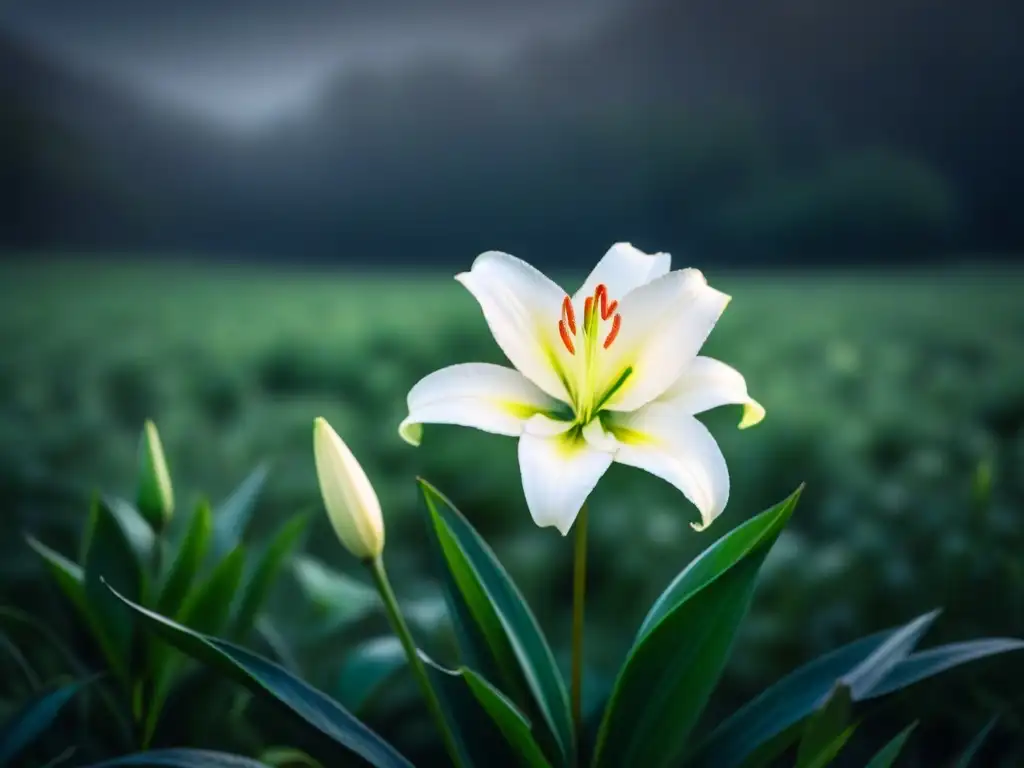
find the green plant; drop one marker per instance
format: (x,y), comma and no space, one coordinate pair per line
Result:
(506,701)
(206,577)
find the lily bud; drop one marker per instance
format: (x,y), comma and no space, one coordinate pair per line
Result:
(351,502)
(155,498)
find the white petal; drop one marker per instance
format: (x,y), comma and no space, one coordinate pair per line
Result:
(622,269)
(488,397)
(664,325)
(707,383)
(671,444)
(522,308)
(559,472)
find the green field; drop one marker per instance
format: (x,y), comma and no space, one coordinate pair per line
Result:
(883,392)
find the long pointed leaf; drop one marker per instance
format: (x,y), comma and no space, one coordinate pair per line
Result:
(887,755)
(33,719)
(675,664)
(976,743)
(110,558)
(232,517)
(489,729)
(925,664)
(502,617)
(187,561)
(182,758)
(68,575)
(206,609)
(784,704)
(367,669)
(827,730)
(866,675)
(266,678)
(268,566)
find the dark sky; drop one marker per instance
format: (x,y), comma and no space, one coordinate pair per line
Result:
(754,130)
(247,62)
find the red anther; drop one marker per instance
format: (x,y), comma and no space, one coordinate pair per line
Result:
(569,315)
(588,307)
(609,310)
(616,325)
(601,297)
(566,338)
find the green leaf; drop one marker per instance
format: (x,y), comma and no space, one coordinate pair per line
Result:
(680,653)
(925,664)
(484,597)
(182,758)
(68,575)
(829,751)
(768,751)
(367,669)
(783,705)
(206,609)
(135,527)
(263,577)
(827,730)
(281,757)
(976,743)
(487,726)
(866,676)
(155,498)
(723,554)
(513,724)
(187,561)
(887,755)
(110,558)
(340,597)
(799,693)
(33,719)
(232,517)
(264,677)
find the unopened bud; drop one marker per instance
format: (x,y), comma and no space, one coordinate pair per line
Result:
(351,502)
(155,498)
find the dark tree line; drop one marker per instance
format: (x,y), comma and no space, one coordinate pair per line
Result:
(748,131)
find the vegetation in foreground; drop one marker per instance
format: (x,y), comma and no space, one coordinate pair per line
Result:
(898,400)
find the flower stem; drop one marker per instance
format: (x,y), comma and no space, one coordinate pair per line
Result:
(383,584)
(579,590)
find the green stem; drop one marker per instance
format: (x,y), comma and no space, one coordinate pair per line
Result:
(380,580)
(579,591)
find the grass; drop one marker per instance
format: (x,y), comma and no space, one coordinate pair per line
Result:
(884,393)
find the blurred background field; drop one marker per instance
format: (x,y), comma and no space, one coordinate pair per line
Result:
(897,397)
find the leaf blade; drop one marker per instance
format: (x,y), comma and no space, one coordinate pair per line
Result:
(676,661)
(182,758)
(33,719)
(269,565)
(487,726)
(927,663)
(976,743)
(266,678)
(232,516)
(887,755)
(110,558)
(187,561)
(497,608)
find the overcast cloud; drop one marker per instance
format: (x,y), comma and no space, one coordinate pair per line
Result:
(246,62)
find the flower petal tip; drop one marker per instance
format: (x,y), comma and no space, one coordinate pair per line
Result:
(753,414)
(411,432)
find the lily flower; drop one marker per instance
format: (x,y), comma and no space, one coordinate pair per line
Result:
(610,373)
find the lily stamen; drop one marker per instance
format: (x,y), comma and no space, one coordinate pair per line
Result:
(616,324)
(569,315)
(566,338)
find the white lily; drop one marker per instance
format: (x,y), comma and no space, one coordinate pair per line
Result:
(609,374)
